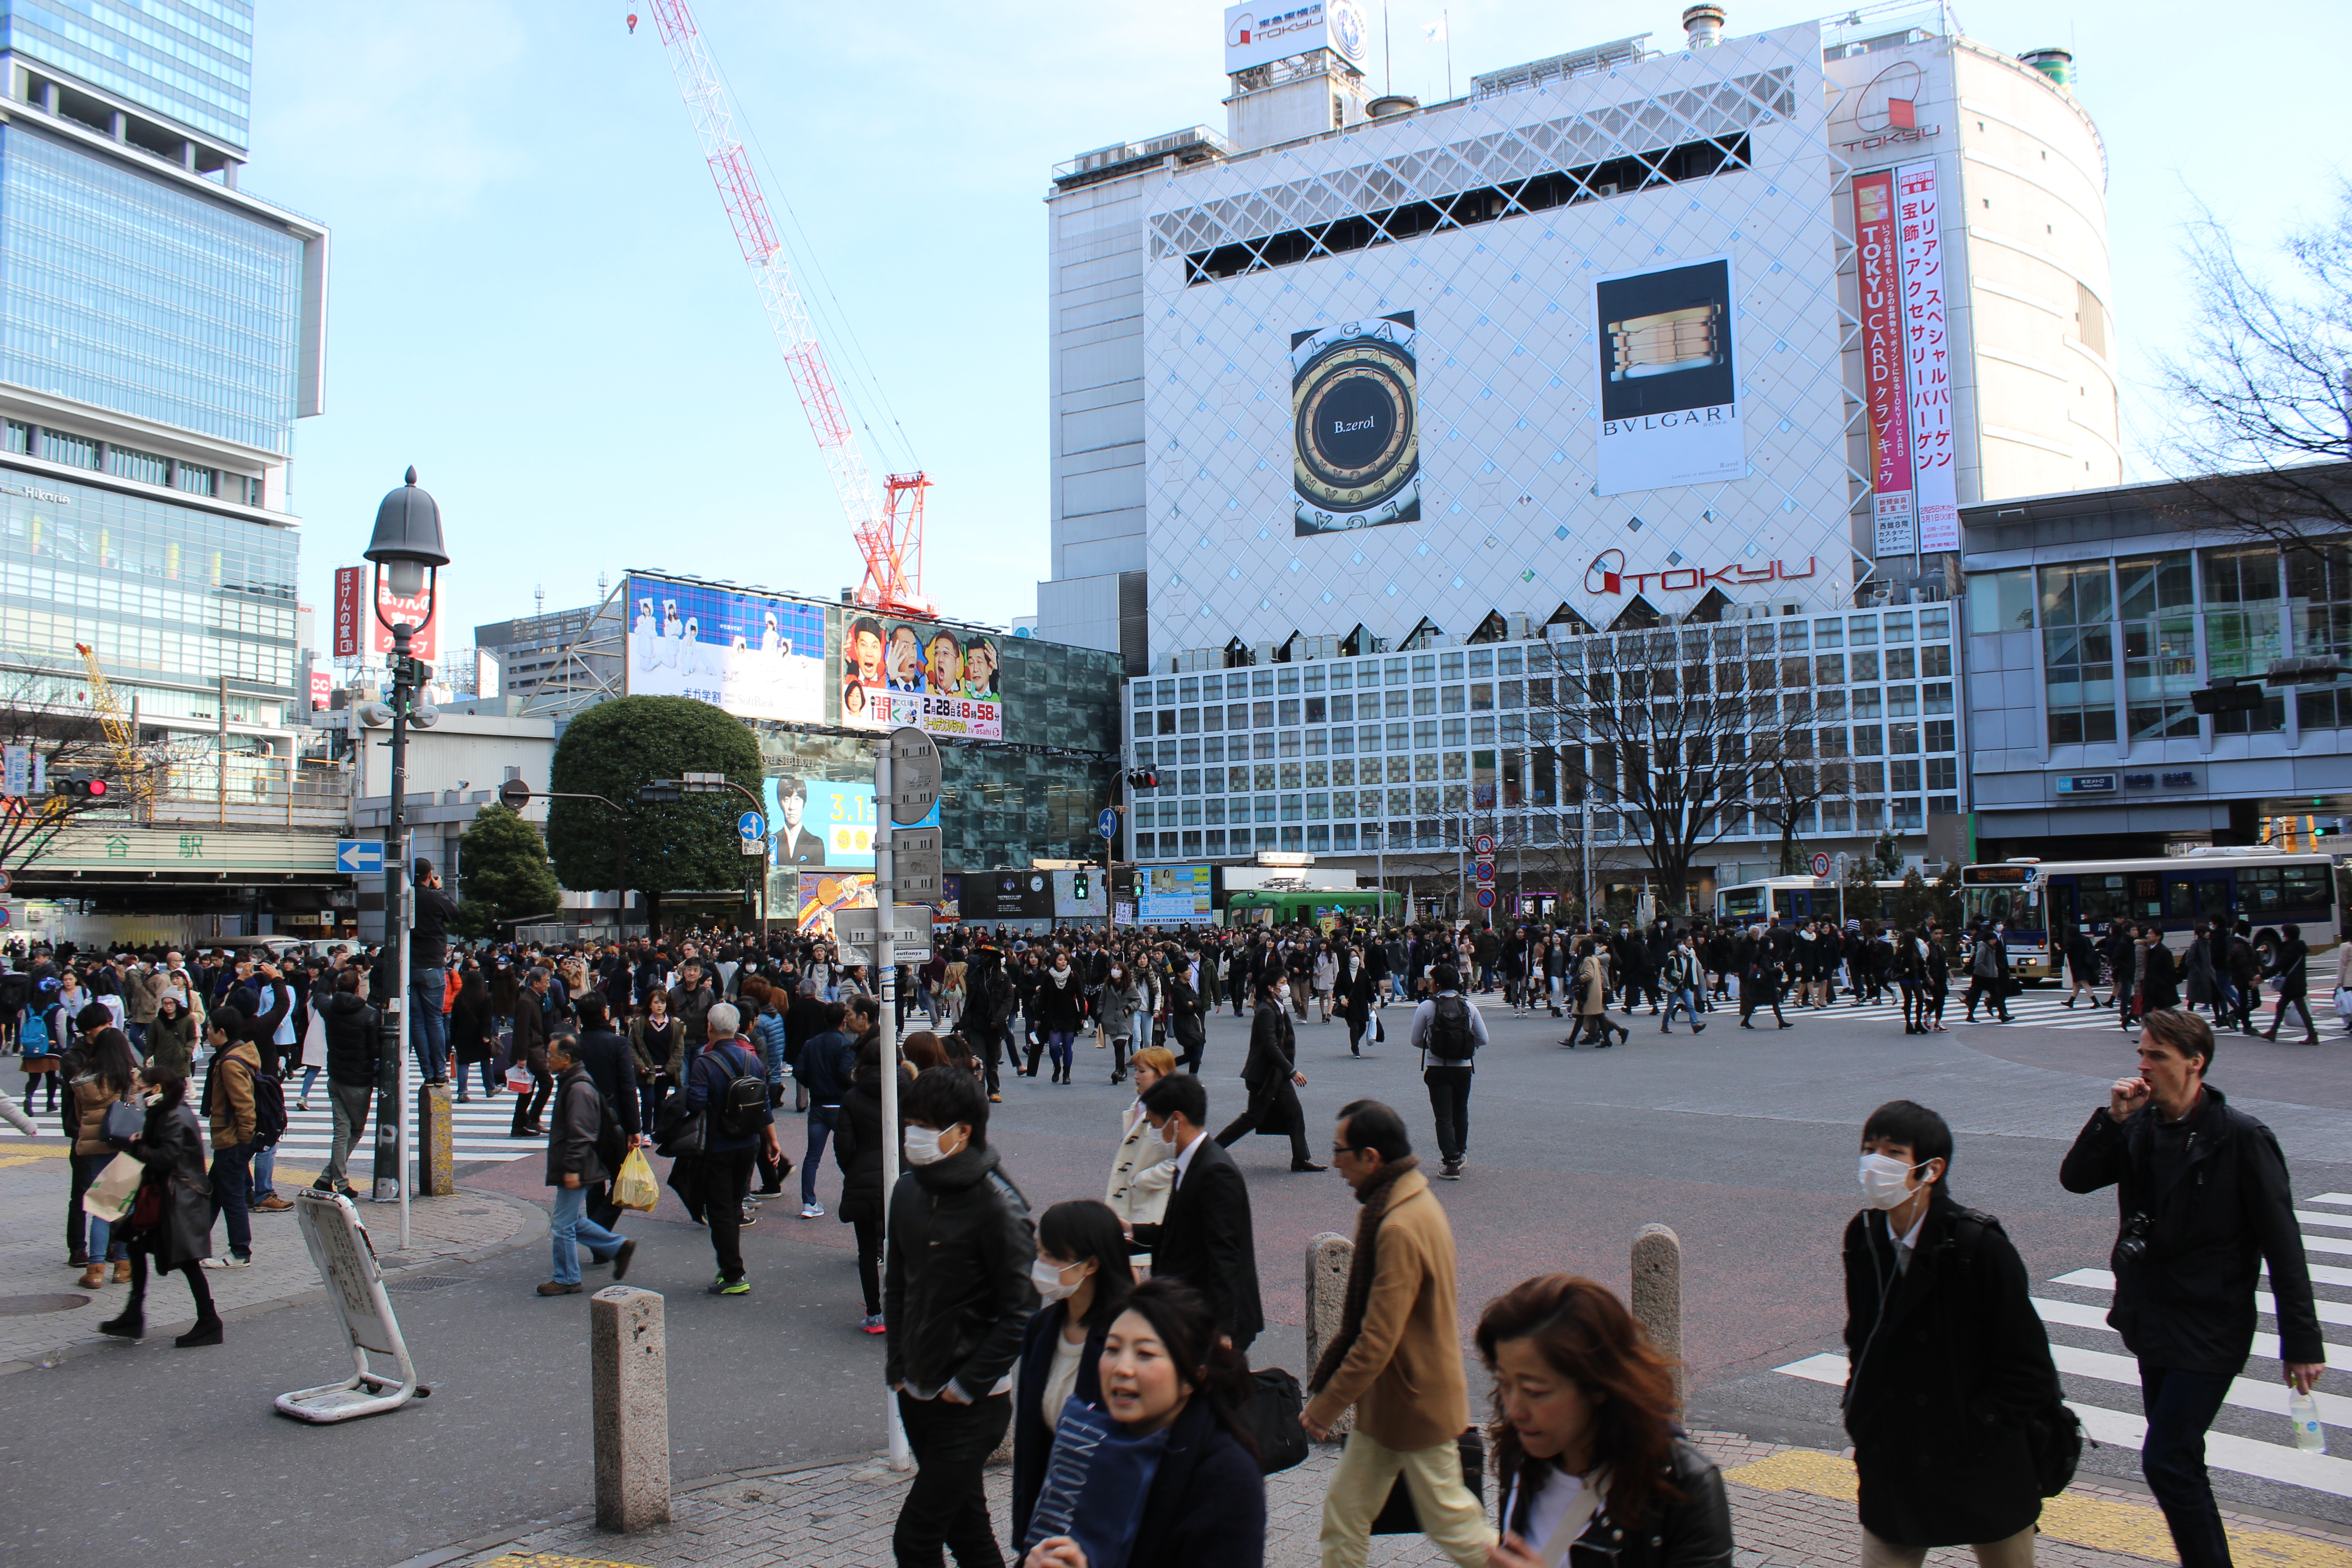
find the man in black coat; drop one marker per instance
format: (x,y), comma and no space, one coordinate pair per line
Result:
(1271,1075)
(354,1056)
(604,1055)
(2203,1192)
(1951,1371)
(1204,1236)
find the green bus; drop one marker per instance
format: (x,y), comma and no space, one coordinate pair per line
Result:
(1261,906)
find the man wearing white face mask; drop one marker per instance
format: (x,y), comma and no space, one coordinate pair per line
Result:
(956,1299)
(1952,1399)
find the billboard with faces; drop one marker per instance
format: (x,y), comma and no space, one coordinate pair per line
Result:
(946,679)
(756,656)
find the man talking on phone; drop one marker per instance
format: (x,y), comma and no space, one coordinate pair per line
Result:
(2203,1192)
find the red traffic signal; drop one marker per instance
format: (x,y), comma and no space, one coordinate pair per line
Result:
(78,786)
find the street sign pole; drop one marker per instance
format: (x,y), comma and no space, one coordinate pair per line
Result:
(886,974)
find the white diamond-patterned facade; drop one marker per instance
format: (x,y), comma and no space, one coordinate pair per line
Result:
(1585,348)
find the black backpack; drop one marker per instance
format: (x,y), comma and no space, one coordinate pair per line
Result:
(742,1109)
(269,1101)
(1450,1036)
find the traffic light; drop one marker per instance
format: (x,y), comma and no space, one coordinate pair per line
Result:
(1143,778)
(1078,886)
(2235,699)
(661,792)
(79,786)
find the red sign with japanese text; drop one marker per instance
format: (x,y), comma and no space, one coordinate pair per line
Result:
(348,594)
(1927,357)
(1877,252)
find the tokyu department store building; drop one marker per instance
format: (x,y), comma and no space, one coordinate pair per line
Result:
(1368,416)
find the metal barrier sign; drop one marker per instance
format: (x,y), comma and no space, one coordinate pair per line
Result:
(346,1258)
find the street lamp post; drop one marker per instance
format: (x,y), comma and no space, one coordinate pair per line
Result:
(409,555)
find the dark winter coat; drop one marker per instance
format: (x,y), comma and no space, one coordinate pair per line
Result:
(354,1040)
(573,1136)
(1205,1238)
(2186,1302)
(1206,1508)
(828,1063)
(469,1026)
(858,1147)
(1950,1360)
(955,1293)
(2158,984)
(1033,1438)
(172,1042)
(1690,1531)
(173,1150)
(1057,1006)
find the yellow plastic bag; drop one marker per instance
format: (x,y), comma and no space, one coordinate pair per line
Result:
(635,1187)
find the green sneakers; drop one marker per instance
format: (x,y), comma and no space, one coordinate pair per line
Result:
(722,1286)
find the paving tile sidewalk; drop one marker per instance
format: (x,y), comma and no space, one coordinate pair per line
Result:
(1791,1508)
(45,1316)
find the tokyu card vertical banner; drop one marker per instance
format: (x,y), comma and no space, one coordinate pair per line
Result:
(1878,265)
(756,656)
(944,680)
(1927,357)
(1668,392)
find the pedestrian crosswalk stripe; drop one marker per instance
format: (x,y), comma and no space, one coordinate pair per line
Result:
(2331,1198)
(478,1133)
(2333,1221)
(2105,1370)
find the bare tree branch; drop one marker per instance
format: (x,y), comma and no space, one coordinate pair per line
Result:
(51,714)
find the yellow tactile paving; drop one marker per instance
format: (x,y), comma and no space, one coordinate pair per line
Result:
(549,1560)
(2103,1524)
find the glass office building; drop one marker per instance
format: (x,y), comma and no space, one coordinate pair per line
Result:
(187,60)
(134,295)
(1420,749)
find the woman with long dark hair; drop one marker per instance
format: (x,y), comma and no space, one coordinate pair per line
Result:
(1083,1275)
(171,1221)
(1164,1369)
(1587,1466)
(112,1077)
(470,1036)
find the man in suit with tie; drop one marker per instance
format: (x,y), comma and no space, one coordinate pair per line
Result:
(1204,1236)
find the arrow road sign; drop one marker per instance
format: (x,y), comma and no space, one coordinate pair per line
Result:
(752,824)
(1107,822)
(1821,865)
(360,856)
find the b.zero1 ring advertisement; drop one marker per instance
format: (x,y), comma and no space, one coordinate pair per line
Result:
(1355,425)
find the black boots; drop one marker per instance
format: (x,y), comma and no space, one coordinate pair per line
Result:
(205,1331)
(131,1325)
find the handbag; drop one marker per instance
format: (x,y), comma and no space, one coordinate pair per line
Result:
(2055,1437)
(679,1128)
(124,1121)
(1276,1403)
(110,1197)
(148,1211)
(1398,1516)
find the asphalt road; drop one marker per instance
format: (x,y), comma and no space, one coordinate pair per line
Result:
(1743,1141)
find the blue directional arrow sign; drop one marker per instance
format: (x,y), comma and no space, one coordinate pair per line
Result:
(360,856)
(1107,822)
(752,824)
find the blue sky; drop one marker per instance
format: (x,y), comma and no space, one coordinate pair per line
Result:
(537,300)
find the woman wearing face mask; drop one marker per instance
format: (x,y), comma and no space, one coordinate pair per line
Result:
(1058,996)
(1952,1387)
(1586,1460)
(1164,1371)
(1083,1276)
(1144,1169)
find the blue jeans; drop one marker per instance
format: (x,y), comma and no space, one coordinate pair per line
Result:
(821,1121)
(265,1168)
(1681,996)
(428,1033)
(571,1229)
(232,1191)
(100,1242)
(1057,1042)
(309,1079)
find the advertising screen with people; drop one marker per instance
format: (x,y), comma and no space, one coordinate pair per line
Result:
(941,679)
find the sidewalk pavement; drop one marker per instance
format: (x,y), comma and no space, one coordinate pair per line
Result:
(1789,1507)
(45,1317)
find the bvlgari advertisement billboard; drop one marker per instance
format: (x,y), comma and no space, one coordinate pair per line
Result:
(1668,384)
(1355,425)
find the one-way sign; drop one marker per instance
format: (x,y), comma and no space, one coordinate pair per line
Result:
(360,856)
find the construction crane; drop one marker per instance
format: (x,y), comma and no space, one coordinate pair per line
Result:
(120,734)
(889,524)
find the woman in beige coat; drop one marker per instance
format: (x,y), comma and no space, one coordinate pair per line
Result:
(1592,998)
(1143,1171)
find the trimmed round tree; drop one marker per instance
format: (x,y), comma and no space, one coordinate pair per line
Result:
(506,878)
(614,749)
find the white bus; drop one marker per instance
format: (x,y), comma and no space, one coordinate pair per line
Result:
(1788,901)
(2265,887)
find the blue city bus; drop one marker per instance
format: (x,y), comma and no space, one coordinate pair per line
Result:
(2261,886)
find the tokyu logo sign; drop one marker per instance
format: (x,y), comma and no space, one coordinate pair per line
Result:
(1607,575)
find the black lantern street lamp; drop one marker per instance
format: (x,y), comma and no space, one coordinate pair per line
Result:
(409,555)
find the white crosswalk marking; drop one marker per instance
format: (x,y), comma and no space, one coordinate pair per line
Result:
(477,1133)
(2099,1380)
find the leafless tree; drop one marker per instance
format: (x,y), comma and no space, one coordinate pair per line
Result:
(1791,777)
(2263,395)
(50,715)
(1648,726)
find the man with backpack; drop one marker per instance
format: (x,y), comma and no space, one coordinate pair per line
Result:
(728,1087)
(1448,1031)
(234,1111)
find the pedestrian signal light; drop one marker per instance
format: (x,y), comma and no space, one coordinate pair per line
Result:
(1078,886)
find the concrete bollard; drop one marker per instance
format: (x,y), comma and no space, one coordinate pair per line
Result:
(1658,1294)
(628,1351)
(1329,1257)
(435,1128)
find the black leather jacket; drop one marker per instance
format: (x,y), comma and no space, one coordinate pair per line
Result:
(1691,1531)
(959,1312)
